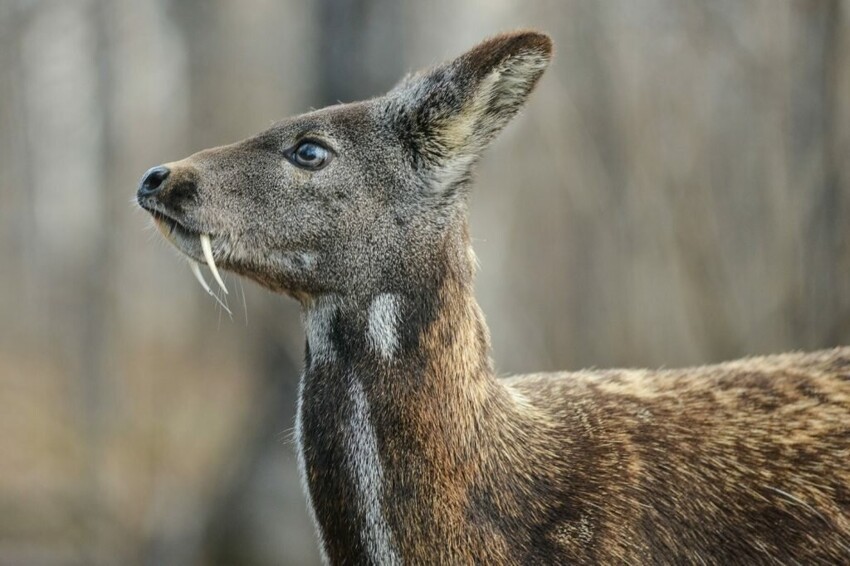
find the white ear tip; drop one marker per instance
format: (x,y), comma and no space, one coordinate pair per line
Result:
(208,255)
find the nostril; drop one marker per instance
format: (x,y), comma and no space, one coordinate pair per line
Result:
(152,180)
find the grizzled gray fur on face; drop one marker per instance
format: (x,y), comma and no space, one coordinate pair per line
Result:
(410,448)
(392,186)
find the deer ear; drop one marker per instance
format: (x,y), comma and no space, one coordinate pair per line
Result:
(452,112)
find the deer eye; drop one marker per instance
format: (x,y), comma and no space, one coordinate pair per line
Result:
(309,155)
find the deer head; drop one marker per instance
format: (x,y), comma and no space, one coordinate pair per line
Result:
(353,198)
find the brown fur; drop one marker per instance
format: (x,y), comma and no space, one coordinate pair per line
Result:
(412,450)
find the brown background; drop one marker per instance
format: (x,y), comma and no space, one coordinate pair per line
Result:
(677,192)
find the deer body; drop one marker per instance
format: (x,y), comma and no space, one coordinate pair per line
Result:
(419,451)
(411,449)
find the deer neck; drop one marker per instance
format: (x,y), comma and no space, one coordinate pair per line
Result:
(420,327)
(393,403)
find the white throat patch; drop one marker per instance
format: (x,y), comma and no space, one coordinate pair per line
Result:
(383,324)
(365,464)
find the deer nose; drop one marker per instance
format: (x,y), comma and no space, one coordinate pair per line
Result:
(152,181)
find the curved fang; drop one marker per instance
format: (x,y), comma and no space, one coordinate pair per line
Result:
(196,271)
(205,245)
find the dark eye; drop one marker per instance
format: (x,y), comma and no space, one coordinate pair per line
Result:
(310,155)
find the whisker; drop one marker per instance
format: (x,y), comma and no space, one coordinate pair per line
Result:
(244,302)
(196,271)
(229,312)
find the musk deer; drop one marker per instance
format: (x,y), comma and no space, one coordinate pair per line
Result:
(411,450)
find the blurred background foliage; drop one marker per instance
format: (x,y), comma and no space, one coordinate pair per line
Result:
(677,192)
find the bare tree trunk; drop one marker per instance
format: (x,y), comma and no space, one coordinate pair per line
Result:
(96,275)
(227,536)
(813,131)
(361,46)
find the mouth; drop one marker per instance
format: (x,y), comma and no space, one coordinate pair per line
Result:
(173,230)
(188,241)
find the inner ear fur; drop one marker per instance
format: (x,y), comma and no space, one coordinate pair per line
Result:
(454,110)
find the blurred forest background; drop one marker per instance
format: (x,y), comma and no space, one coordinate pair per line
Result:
(677,192)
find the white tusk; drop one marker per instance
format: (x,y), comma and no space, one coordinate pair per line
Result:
(205,245)
(196,271)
